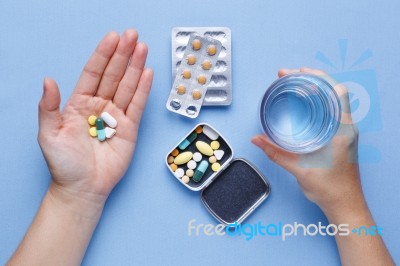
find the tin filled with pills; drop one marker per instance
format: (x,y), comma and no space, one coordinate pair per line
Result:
(230,188)
(300,112)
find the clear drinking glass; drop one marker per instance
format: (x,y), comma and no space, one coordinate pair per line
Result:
(300,112)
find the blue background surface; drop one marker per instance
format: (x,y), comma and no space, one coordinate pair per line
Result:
(145,219)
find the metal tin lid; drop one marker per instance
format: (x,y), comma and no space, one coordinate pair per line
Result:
(236,192)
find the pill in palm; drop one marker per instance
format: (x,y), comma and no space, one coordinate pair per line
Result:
(109,119)
(101,133)
(204,148)
(92,120)
(93,131)
(191,164)
(110,132)
(197,156)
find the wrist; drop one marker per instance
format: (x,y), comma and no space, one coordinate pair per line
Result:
(85,205)
(350,209)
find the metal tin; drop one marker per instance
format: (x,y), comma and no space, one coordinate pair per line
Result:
(209,181)
(219,91)
(209,178)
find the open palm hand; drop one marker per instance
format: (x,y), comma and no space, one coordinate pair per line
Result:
(113,80)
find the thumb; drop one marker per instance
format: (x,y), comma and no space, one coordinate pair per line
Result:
(276,154)
(49,108)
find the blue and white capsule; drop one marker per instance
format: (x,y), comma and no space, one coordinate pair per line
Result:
(101,132)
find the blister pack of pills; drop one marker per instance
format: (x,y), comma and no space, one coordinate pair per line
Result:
(219,90)
(194,75)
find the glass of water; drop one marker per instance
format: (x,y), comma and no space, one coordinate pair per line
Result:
(300,112)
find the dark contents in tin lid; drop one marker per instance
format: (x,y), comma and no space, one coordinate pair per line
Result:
(234,191)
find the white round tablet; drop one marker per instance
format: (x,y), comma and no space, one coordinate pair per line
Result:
(191,164)
(197,156)
(179,172)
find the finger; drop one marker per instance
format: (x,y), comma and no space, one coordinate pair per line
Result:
(285,159)
(129,83)
(138,102)
(285,71)
(97,63)
(340,89)
(49,109)
(118,64)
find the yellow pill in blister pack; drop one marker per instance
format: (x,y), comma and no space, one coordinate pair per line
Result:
(215,145)
(211,49)
(196,44)
(93,131)
(206,65)
(181,89)
(201,79)
(215,167)
(196,94)
(191,59)
(92,120)
(186,74)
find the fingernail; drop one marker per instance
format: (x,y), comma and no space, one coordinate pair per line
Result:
(258,141)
